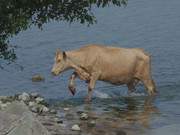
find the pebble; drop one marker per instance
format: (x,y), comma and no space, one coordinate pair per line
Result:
(91,123)
(39,100)
(84,116)
(75,127)
(45,109)
(58,120)
(62,125)
(38,78)
(3,106)
(66,109)
(31,103)
(53,111)
(34,109)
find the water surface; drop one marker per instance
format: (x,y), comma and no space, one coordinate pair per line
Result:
(151,24)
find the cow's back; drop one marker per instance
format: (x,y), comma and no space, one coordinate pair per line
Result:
(116,65)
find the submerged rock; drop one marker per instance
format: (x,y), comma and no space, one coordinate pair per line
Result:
(53,111)
(38,78)
(84,116)
(92,123)
(66,109)
(75,127)
(57,120)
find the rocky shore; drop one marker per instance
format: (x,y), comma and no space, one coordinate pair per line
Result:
(30,114)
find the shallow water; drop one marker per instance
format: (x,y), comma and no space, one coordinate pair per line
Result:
(152,25)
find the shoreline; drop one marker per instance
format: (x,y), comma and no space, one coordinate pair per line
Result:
(67,120)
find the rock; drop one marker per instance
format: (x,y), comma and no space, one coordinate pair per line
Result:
(3,105)
(66,109)
(39,100)
(34,95)
(5,99)
(62,125)
(57,120)
(31,103)
(75,127)
(79,112)
(34,109)
(16,119)
(38,78)
(91,123)
(53,111)
(84,116)
(24,97)
(45,109)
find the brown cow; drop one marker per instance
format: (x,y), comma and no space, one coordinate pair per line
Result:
(110,64)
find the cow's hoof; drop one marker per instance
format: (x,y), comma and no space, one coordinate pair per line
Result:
(153,93)
(72,90)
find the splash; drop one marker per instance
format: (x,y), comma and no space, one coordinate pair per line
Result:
(101,94)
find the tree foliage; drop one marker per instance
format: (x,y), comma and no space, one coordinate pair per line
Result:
(18,15)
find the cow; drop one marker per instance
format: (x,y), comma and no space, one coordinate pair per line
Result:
(115,65)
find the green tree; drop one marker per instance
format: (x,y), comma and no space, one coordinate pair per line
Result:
(19,15)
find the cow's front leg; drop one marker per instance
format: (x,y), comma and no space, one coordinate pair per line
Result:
(94,77)
(71,85)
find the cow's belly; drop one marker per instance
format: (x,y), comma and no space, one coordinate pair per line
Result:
(117,79)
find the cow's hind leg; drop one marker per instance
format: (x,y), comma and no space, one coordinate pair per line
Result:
(144,74)
(132,85)
(150,86)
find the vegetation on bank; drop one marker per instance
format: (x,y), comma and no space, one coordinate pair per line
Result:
(19,15)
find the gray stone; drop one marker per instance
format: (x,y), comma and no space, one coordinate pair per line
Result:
(53,111)
(24,97)
(31,103)
(39,100)
(34,109)
(16,119)
(75,127)
(66,109)
(92,123)
(84,116)
(3,105)
(57,120)
(45,109)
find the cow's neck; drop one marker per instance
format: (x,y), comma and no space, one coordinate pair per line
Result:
(75,59)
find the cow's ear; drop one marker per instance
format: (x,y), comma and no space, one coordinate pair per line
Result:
(58,52)
(64,55)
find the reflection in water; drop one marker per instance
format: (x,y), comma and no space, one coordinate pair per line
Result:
(137,111)
(19,15)
(125,115)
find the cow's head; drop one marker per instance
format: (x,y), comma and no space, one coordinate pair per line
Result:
(60,63)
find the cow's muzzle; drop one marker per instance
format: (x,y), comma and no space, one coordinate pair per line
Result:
(54,73)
